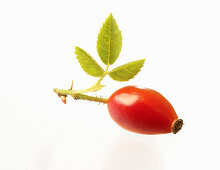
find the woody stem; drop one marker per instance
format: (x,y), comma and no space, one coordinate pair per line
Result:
(79,96)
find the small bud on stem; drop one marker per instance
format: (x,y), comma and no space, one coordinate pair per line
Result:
(63,98)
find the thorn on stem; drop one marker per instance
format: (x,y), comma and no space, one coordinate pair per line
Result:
(71,88)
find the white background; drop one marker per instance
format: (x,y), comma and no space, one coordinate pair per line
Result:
(180,41)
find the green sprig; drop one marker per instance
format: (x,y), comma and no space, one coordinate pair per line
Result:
(109,46)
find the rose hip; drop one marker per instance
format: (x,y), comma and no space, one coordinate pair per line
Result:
(143,111)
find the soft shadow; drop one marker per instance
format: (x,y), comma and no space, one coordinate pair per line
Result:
(133,152)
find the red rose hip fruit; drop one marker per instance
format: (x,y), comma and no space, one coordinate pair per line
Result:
(143,111)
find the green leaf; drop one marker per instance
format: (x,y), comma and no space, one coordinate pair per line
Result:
(88,64)
(126,71)
(109,41)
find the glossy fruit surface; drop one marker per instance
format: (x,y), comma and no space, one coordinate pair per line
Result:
(143,111)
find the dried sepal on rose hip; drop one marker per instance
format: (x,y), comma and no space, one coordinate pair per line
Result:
(143,111)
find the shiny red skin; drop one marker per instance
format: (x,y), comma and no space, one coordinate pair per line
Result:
(142,111)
